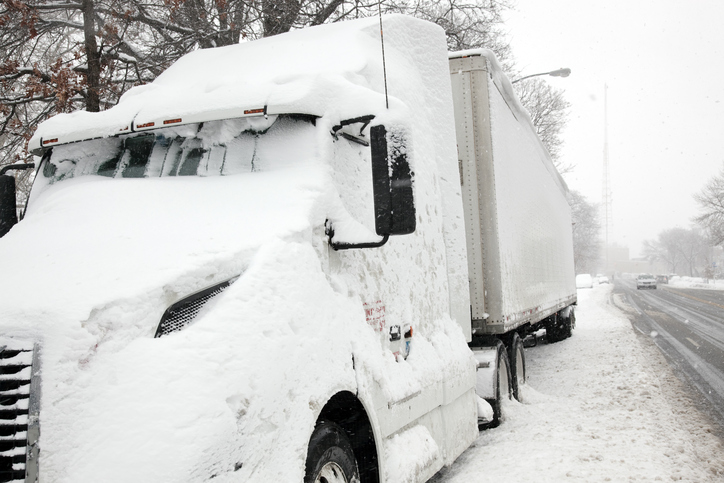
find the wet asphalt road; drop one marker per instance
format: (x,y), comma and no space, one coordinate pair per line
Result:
(688,326)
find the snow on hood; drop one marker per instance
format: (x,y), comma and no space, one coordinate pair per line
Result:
(105,240)
(145,409)
(206,402)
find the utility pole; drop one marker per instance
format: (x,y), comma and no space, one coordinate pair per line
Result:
(606,188)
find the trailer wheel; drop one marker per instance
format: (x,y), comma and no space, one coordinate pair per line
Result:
(553,330)
(570,323)
(558,328)
(517,364)
(502,383)
(330,458)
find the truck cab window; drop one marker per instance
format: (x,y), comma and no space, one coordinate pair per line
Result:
(216,148)
(137,151)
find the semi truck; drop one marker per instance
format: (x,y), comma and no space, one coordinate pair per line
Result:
(309,257)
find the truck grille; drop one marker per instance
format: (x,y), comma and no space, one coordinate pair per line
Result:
(183,312)
(19,408)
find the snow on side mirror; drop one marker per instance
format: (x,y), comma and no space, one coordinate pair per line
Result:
(391,183)
(392,193)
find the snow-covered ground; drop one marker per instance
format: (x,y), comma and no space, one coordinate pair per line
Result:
(696,282)
(601,406)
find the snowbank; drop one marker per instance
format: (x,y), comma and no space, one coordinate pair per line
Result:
(600,406)
(696,282)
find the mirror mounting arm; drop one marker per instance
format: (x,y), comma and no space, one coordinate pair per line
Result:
(16,166)
(349,246)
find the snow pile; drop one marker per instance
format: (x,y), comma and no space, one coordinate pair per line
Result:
(416,445)
(696,282)
(600,406)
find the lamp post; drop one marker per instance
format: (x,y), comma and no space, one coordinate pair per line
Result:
(564,72)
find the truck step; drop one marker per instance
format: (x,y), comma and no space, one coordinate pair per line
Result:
(19,403)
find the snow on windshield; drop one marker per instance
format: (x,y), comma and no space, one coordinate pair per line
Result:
(204,149)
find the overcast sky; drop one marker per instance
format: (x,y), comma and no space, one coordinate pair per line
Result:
(663,62)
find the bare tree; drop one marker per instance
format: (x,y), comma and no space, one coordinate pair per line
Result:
(467,24)
(548,110)
(683,251)
(586,233)
(64,55)
(711,202)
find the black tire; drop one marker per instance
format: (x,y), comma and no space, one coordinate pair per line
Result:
(330,458)
(502,384)
(568,324)
(572,323)
(552,333)
(558,328)
(516,355)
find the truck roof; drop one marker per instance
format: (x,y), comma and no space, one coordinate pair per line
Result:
(336,68)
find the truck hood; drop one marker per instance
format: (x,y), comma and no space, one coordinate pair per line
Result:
(90,241)
(208,401)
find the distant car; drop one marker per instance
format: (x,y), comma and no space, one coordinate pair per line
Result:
(645,280)
(584,280)
(662,278)
(602,279)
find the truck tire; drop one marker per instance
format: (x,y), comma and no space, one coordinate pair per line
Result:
(570,323)
(516,355)
(502,383)
(553,331)
(558,328)
(330,458)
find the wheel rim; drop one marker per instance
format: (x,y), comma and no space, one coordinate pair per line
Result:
(519,369)
(504,388)
(331,473)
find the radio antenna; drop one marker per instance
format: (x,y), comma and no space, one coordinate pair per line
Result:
(382,40)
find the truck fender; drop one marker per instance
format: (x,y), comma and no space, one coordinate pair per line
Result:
(493,369)
(485,380)
(356,417)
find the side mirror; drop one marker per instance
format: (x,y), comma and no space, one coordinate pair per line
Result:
(394,202)
(391,183)
(8,201)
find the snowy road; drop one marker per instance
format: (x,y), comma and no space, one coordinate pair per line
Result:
(603,405)
(688,325)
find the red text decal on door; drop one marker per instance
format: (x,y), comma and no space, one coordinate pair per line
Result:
(375,315)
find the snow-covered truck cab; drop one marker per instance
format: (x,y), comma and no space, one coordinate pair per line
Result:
(211,286)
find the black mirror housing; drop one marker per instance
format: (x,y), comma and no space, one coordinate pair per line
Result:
(8,214)
(8,201)
(391,183)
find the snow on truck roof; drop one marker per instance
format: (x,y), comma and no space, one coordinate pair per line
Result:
(319,71)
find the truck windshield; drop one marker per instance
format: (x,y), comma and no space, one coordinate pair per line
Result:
(206,149)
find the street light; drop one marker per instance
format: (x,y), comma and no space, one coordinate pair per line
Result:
(565,72)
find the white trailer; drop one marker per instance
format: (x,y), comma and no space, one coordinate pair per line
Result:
(517,218)
(519,232)
(256,268)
